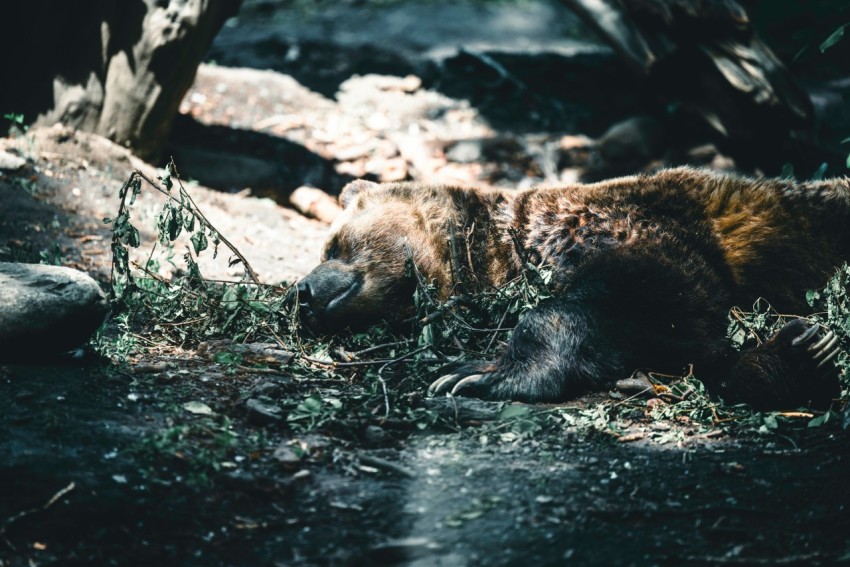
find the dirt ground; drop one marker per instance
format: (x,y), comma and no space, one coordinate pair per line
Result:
(176,457)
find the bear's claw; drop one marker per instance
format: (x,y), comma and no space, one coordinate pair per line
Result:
(469,382)
(443,383)
(825,350)
(453,384)
(821,348)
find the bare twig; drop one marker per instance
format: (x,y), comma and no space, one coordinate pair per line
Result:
(386,465)
(381,346)
(381,377)
(30,511)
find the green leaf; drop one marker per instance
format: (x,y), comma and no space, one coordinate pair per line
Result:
(175,223)
(133,238)
(832,39)
(811,297)
(259,307)
(136,184)
(14,117)
(230,296)
(227,357)
(820,420)
(199,242)
(770,422)
(312,405)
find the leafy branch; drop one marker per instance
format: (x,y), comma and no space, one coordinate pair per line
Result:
(180,212)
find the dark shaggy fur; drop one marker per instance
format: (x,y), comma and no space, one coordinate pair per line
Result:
(646,269)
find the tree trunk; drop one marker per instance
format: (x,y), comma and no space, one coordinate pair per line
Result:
(118,68)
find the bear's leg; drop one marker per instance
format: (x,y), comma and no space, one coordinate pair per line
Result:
(794,368)
(557,351)
(657,305)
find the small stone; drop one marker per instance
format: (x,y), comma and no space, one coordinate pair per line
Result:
(351,153)
(262,413)
(388,170)
(11,162)
(636,139)
(198,408)
(300,475)
(150,368)
(637,384)
(465,151)
(266,388)
(286,456)
(571,142)
(375,435)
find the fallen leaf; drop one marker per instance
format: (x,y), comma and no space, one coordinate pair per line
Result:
(198,408)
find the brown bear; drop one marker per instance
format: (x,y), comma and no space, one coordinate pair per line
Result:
(645,269)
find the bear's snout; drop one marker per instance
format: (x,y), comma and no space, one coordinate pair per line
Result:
(324,292)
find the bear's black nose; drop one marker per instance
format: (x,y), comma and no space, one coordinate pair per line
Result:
(305,293)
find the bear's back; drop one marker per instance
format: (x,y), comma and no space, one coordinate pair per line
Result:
(774,238)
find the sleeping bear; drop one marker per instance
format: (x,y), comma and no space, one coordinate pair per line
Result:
(644,272)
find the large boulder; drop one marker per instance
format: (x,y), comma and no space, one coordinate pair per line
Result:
(46,310)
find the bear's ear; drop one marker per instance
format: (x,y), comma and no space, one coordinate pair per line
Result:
(350,191)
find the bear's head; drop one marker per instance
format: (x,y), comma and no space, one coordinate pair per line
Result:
(365,272)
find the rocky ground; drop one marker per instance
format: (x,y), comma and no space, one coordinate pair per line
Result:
(186,456)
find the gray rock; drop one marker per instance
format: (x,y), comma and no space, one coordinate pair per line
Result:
(261,413)
(286,455)
(46,310)
(465,151)
(634,140)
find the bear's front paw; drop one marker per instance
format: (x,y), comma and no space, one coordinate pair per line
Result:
(813,345)
(809,351)
(471,381)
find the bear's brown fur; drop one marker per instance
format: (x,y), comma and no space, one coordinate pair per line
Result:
(645,270)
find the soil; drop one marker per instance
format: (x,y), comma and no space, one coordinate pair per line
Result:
(173,456)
